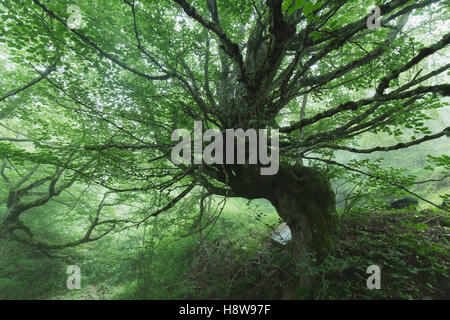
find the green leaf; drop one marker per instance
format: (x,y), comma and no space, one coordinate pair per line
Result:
(299,4)
(318,5)
(286,5)
(308,8)
(290,11)
(316,35)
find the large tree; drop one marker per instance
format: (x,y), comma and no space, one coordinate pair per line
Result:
(122,75)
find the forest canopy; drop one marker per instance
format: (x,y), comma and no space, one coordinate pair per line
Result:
(354,101)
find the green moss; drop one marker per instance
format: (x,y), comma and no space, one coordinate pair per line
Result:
(325,232)
(295,191)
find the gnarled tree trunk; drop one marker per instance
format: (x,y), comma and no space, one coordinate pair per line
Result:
(304,199)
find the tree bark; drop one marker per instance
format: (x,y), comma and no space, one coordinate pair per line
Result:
(304,199)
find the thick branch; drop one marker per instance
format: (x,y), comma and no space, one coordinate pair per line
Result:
(230,48)
(47,71)
(398,146)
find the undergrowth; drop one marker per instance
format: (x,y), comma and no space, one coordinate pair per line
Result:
(237,260)
(410,247)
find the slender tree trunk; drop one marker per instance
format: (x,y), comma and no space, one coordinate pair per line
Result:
(305,200)
(10,219)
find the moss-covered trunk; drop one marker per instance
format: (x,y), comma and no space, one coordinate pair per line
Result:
(305,200)
(313,225)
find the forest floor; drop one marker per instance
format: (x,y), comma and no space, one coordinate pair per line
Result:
(410,247)
(238,261)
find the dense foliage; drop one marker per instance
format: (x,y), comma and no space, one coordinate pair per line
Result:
(91,93)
